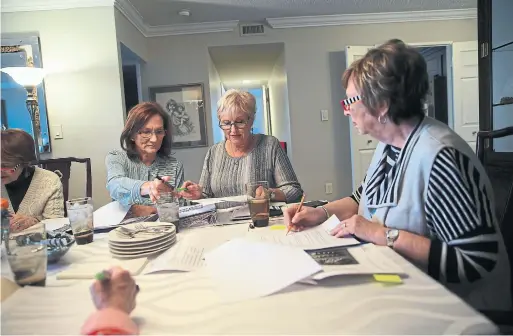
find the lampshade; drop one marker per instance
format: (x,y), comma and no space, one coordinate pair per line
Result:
(25,76)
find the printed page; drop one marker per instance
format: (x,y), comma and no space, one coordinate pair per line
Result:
(109,215)
(317,237)
(243,269)
(181,257)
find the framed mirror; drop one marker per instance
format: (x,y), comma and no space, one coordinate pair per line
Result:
(23,52)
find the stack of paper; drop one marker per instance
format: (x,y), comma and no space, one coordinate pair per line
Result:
(243,269)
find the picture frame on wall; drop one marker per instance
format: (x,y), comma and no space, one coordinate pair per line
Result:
(185,105)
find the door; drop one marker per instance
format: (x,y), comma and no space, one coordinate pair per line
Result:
(466,90)
(362,146)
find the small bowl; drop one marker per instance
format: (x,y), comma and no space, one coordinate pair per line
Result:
(59,244)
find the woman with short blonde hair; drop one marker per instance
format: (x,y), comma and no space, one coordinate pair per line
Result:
(243,156)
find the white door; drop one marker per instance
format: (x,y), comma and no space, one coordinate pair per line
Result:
(362,146)
(466,90)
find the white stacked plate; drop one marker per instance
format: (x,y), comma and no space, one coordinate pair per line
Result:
(140,240)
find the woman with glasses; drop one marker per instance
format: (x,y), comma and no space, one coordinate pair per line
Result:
(425,195)
(33,193)
(243,156)
(144,168)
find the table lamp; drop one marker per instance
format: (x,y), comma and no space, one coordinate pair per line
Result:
(29,78)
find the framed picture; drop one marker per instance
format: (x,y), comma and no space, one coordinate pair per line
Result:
(186,107)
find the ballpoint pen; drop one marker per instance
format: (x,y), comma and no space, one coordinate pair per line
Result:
(297,210)
(176,189)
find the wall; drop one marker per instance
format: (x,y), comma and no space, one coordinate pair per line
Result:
(313,58)
(130,36)
(214,84)
(279,102)
(83,93)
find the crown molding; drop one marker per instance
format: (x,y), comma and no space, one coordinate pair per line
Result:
(131,14)
(191,28)
(9,6)
(369,18)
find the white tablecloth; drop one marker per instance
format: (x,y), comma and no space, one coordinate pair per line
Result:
(185,303)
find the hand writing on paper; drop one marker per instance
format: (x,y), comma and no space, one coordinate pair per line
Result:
(118,291)
(192,191)
(306,217)
(361,228)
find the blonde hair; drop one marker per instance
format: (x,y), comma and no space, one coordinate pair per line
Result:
(237,101)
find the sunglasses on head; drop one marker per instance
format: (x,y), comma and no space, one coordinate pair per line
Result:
(346,103)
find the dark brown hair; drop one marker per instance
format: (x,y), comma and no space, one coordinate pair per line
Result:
(392,74)
(138,116)
(17,148)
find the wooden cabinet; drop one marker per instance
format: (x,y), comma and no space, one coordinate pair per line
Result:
(495,35)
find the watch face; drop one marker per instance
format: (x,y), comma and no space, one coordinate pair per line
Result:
(393,234)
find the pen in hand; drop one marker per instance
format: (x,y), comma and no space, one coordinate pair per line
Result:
(176,189)
(104,278)
(297,210)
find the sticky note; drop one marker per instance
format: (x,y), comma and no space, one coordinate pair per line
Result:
(278,227)
(388,278)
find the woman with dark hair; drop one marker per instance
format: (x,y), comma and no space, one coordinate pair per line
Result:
(144,167)
(425,195)
(33,193)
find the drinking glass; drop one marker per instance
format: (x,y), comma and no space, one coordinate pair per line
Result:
(27,256)
(168,208)
(80,214)
(258,202)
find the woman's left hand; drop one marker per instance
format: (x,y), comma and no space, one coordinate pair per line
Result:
(361,228)
(20,222)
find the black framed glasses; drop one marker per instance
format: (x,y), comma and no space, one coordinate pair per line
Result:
(346,103)
(11,170)
(146,134)
(227,125)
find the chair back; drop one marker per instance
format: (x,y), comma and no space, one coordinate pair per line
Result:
(62,167)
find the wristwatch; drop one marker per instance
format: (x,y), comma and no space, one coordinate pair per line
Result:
(391,235)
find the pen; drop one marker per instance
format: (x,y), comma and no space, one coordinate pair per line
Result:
(297,210)
(176,189)
(104,277)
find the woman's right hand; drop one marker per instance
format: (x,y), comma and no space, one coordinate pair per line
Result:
(118,292)
(193,190)
(306,217)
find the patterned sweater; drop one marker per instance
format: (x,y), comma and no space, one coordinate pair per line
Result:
(44,198)
(125,176)
(224,175)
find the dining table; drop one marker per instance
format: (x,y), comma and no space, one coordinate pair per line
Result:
(186,303)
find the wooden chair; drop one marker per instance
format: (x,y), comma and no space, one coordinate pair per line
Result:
(62,167)
(501,177)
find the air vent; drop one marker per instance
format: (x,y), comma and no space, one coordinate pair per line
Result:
(252,30)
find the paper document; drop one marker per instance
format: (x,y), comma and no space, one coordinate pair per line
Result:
(313,238)
(364,259)
(181,257)
(243,269)
(207,201)
(52,224)
(109,215)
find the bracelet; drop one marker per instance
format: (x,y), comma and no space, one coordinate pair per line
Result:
(326,211)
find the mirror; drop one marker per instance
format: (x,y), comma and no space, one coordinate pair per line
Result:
(23,52)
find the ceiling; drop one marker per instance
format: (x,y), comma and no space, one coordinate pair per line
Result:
(165,12)
(253,62)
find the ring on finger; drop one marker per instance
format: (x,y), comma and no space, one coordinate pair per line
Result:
(344,225)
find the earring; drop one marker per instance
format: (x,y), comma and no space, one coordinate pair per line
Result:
(382,120)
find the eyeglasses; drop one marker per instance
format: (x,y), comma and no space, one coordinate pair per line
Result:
(346,103)
(146,134)
(10,170)
(226,125)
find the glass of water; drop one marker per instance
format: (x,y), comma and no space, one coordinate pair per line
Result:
(167,208)
(27,256)
(80,215)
